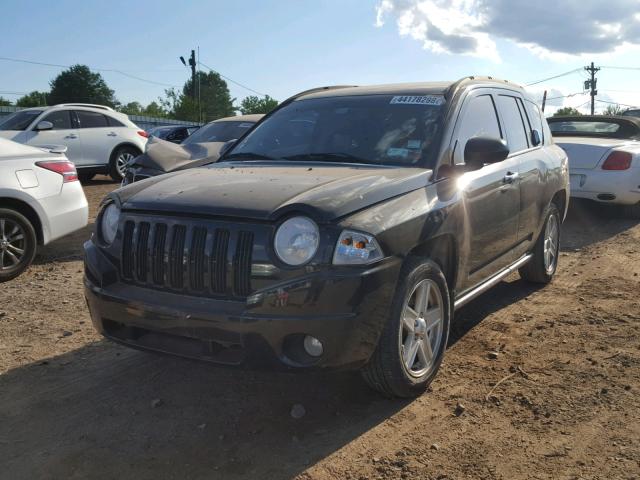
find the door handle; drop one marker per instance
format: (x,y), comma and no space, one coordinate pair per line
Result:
(112,134)
(71,135)
(510,177)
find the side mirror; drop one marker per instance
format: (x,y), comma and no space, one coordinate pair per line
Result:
(227,145)
(482,150)
(535,138)
(44,125)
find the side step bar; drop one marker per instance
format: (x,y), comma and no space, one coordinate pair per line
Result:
(480,289)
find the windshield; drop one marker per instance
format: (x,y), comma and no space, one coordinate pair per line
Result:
(372,129)
(219,132)
(19,120)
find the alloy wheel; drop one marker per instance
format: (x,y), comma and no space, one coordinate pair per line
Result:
(12,244)
(121,162)
(420,334)
(551,237)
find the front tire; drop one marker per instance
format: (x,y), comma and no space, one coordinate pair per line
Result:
(17,244)
(118,162)
(413,342)
(544,263)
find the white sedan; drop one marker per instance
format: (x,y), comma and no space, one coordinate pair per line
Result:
(41,200)
(604,158)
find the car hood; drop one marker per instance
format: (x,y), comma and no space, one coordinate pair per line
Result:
(169,157)
(268,190)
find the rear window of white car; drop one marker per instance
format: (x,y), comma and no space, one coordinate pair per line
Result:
(91,119)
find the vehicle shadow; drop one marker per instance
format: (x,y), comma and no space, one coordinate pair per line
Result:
(65,249)
(509,291)
(104,411)
(589,222)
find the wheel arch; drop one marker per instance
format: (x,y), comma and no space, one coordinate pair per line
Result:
(560,200)
(123,144)
(28,211)
(444,252)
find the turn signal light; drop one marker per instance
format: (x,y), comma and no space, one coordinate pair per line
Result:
(64,168)
(618,161)
(142,133)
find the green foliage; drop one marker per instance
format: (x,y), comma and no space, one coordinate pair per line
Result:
(613,110)
(253,104)
(33,99)
(4,102)
(132,108)
(154,110)
(566,112)
(215,100)
(80,84)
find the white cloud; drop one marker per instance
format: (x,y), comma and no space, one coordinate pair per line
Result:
(548,28)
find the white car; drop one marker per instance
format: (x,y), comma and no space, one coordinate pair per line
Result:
(604,158)
(98,139)
(41,200)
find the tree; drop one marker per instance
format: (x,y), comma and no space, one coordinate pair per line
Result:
(613,110)
(215,99)
(253,104)
(566,112)
(132,108)
(154,110)
(33,99)
(4,102)
(80,84)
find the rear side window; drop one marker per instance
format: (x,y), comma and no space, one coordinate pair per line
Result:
(514,123)
(535,118)
(479,119)
(61,119)
(114,123)
(91,119)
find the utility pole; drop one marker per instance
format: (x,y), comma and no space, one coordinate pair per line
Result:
(192,64)
(544,100)
(591,84)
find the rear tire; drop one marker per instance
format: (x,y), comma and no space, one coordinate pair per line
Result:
(413,342)
(119,158)
(85,177)
(18,244)
(544,263)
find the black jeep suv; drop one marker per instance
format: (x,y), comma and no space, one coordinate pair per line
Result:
(342,231)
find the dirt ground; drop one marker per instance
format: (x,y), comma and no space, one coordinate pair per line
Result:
(561,398)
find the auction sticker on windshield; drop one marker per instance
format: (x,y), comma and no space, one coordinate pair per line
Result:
(417,100)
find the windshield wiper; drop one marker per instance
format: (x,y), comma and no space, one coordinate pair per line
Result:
(328,157)
(251,155)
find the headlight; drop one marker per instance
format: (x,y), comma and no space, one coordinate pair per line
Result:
(109,223)
(356,248)
(297,240)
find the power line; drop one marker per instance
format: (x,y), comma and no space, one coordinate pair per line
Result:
(232,81)
(615,103)
(112,70)
(554,77)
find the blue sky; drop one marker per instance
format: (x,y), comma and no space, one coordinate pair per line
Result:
(282,47)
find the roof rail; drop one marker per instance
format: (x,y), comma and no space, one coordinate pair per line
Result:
(91,105)
(451,90)
(314,90)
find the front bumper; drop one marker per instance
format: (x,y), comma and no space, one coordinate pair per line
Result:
(346,309)
(607,186)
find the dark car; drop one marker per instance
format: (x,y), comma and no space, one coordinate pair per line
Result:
(172,133)
(342,231)
(631,112)
(199,149)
